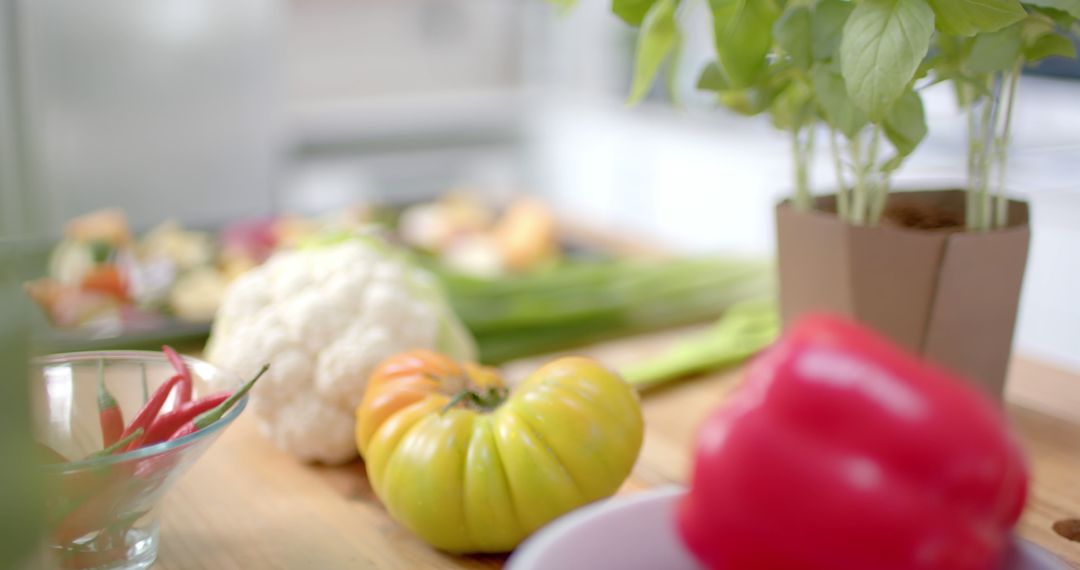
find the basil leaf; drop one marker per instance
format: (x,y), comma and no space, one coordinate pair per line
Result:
(934,62)
(893,163)
(837,107)
(826,25)
(658,38)
(883,43)
(1035,26)
(968,17)
(996,51)
(1050,45)
(792,32)
(1059,17)
(743,31)
(712,78)
(1070,6)
(563,5)
(751,101)
(905,125)
(793,107)
(632,11)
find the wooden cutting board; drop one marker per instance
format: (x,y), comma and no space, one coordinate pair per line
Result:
(245,505)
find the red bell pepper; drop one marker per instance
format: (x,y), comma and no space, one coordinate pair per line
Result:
(842,452)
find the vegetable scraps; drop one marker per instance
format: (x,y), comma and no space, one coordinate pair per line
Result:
(470,468)
(840,451)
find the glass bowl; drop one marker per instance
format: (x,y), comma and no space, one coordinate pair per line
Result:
(102,512)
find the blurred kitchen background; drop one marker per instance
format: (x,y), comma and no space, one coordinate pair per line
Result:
(208,111)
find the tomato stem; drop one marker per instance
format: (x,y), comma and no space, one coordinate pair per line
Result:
(485,401)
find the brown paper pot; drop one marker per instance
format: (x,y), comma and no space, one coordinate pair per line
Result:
(948,294)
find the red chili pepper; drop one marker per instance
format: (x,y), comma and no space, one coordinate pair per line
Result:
(150,411)
(206,418)
(841,452)
(109,414)
(166,424)
(121,445)
(182,369)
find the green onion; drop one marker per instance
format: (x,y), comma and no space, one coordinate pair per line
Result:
(579,302)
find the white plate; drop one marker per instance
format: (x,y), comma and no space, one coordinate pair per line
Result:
(636,533)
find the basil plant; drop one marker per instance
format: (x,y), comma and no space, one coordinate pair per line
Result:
(857,67)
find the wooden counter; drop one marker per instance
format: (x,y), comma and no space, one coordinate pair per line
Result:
(246,505)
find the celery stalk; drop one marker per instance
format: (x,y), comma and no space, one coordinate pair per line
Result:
(745,329)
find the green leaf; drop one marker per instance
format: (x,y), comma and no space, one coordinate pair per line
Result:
(751,101)
(1070,6)
(934,62)
(883,43)
(659,36)
(792,32)
(839,110)
(905,125)
(996,51)
(712,78)
(743,32)
(1059,17)
(563,6)
(1048,46)
(1035,26)
(1040,38)
(826,25)
(968,17)
(632,11)
(893,163)
(793,107)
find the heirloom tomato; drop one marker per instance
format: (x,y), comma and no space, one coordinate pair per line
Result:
(470,467)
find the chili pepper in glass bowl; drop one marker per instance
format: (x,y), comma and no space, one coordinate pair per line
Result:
(167,423)
(109,414)
(149,411)
(102,511)
(181,368)
(208,418)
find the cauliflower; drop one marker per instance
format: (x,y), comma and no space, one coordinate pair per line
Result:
(324,317)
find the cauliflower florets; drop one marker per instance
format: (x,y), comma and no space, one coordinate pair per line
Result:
(324,318)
